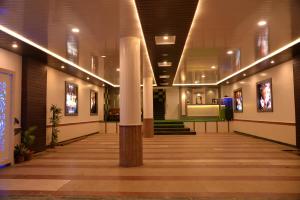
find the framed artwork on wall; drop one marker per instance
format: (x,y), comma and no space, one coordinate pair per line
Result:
(238,100)
(264,96)
(93,102)
(71,99)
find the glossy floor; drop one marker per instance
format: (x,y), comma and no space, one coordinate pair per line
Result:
(205,166)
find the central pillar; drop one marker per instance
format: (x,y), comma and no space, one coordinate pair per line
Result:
(148,129)
(131,138)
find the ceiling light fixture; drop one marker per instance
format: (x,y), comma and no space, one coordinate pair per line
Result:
(227,82)
(203,76)
(75,30)
(272,62)
(118,69)
(62,67)
(14,45)
(244,74)
(262,23)
(166,37)
(229,52)
(103,56)
(213,67)
(87,78)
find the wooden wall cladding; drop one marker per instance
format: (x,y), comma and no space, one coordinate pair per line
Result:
(297,97)
(34,96)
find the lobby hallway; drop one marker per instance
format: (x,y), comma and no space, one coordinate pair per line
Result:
(205,166)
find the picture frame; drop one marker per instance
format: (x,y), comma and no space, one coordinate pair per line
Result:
(93,102)
(264,96)
(71,99)
(238,101)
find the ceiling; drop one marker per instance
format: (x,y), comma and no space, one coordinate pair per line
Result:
(205,31)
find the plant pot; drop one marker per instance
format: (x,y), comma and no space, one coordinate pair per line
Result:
(28,155)
(19,159)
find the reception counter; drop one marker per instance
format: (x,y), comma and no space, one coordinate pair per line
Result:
(203,110)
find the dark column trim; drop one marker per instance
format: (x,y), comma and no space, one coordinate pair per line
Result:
(296,72)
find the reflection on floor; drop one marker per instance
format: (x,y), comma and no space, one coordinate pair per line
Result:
(205,166)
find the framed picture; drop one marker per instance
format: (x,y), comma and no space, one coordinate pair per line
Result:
(238,100)
(71,99)
(264,96)
(72,48)
(262,42)
(93,102)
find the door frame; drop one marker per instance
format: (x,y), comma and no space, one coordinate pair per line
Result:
(10,126)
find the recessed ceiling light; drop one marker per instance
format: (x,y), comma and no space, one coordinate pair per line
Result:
(263,74)
(62,67)
(213,67)
(14,45)
(227,82)
(165,64)
(164,76)
(242,82)
(103,85)
(272,62)
(103,56)
(244,74)
(75,30)
(88,78)
(165,40)
(262,23)
(196,82)
(203,76)
(118,69)
(229,52)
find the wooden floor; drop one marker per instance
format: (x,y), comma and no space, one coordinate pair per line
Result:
(205,166)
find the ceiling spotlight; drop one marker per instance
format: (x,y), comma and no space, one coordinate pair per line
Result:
(103,56)
(227,82)
(244,74)
(103,85)
(213,67)
(262,23)
(196,82)
(203,76)
(272,62)
(14,45)
(62,67)
(75,30)
(166,37)
(87,78)
(229,52)
(118,69)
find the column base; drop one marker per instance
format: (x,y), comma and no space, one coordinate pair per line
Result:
(148,129)
(131,146)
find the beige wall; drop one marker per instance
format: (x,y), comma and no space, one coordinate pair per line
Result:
(172,103)
(56,95)
(13,62)
(283,105)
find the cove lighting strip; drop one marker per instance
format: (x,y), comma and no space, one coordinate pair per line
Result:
(187,41)
(62,59)
(274,53)
(144,41)
(195,84)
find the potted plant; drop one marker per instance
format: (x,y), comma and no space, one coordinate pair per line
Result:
(19,153)
(27,139)
(54,120)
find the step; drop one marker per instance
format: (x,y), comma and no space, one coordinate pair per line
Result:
(171,129)
(175,133)
(168,125)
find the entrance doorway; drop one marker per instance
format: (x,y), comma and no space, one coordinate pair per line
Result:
(159,99)
(6,134)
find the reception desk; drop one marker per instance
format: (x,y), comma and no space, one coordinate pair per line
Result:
(203,110)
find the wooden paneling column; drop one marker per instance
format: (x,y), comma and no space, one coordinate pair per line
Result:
(297,97)
(148,130)
(131,138)
(34,96)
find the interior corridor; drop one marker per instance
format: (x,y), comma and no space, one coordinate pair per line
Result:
(204,166)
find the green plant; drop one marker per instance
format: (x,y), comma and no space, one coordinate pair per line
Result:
(19,152)
(54,120)
(27,137)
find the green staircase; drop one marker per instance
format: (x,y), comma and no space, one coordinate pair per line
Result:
(171,127)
